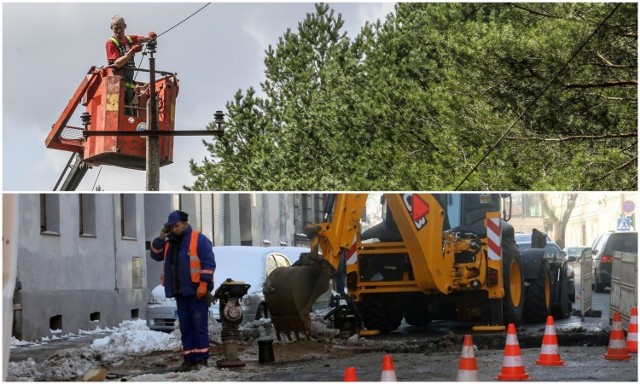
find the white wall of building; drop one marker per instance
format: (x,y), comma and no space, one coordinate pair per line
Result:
(74,281)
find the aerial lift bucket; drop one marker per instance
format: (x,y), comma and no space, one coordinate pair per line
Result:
(290,293)
(102,92)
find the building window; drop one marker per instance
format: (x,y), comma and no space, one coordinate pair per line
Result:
(128,216)
(50,214)
(531,206)
(87,213)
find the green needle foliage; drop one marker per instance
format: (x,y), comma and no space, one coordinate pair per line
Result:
(415,101)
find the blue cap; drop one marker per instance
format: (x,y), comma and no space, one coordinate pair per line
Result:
(176,216)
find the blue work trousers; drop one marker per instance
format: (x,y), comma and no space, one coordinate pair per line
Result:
(193,317)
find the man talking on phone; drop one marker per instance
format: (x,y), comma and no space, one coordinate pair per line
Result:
(187,275)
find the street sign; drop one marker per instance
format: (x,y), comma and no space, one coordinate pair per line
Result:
(624,224)
(628,206)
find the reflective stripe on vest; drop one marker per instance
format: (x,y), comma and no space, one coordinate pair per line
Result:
(123,51)
(194,260)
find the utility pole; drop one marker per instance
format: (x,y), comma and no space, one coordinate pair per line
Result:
(153,141)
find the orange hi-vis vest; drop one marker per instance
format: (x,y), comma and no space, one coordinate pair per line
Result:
(194,260)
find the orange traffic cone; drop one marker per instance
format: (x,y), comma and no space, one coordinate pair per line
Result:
(512,368)
(350,374)
(388,370)
(632,332)
(467,369)
(617,348)
(549,354)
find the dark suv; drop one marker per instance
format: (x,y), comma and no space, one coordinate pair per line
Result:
(603,249)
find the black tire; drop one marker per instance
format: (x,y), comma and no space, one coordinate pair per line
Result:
(572,294)
(562,309)
(514,298)
(416,310)
(380,312)
(537,302)
(262,312)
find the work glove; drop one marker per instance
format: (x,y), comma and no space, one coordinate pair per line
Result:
(201,293)
(136,48)
(152,35)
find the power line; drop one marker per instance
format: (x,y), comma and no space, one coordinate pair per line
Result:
(96,181)
(494,146)
(185,19)
(182,21)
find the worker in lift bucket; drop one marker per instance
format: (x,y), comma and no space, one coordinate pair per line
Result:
(121,51)
(187,275)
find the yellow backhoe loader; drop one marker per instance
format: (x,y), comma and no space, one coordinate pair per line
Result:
(434,256)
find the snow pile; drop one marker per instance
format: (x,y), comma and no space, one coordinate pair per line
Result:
(130,338)
(321,328)
(134,337)
(18,343)
(64,365)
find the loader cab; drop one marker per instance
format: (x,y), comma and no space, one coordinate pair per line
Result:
(467,211)
(463,211)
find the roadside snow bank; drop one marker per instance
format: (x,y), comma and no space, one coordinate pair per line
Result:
(134,337)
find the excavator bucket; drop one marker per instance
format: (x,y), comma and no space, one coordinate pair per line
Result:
(290,292)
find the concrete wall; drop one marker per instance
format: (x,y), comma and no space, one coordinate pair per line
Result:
(74,276)
(272,219)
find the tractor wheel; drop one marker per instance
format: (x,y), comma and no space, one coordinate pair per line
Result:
(562,310)
(380,312)
(537,301)
(513,302)
(416,310)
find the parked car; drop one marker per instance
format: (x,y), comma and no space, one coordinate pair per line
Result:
(575,251)
(603,248)
(553,254)
(249,264)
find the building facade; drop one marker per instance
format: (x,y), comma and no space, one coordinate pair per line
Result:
(594,213)
(82,260)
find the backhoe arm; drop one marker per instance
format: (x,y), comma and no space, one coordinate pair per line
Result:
(291,291)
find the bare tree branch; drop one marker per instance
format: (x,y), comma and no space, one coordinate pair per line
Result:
(623,166)
(622,83)
(576,138)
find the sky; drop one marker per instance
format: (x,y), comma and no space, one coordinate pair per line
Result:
(47,48)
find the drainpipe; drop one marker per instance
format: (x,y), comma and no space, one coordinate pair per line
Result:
(218,219)
(115,245)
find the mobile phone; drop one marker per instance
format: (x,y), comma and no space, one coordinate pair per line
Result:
(167,229)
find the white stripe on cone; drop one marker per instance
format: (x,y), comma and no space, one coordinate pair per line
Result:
(512,361)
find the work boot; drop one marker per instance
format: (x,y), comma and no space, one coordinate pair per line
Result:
(201,364)
(186,366)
